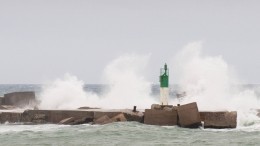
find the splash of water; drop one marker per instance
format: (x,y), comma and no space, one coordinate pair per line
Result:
(125,76)
(64,93)
(209,81)
(128,86)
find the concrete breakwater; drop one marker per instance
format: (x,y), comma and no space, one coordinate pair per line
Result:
(187,116)
(71,117)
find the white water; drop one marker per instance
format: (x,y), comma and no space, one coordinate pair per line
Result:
(64,93)
(128,87)
(210,81)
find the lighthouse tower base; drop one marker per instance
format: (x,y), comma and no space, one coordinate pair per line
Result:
(164,95)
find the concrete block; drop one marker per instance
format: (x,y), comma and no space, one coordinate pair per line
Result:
(67,120)
(134,116)
(160,117)
(168,108)
(219,119)
(20,99)
(8,107)
(2,107)
(74,121)
(103,120)
(55,116)
(10,117)
(189,116)
(39,119)
(83,120)
(1,100)
(119,118)
(161,107)
(104,117)
(36,116)
(98,114)
(156,106)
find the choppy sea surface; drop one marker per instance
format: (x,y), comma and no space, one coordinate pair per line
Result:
(125,133)
(122,133)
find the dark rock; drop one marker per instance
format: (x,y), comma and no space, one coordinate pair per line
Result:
(160,117)
(86,107)
(189,116)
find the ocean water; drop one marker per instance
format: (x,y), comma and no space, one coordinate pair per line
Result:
(122,133)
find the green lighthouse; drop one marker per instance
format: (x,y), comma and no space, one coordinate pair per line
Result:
(164,85)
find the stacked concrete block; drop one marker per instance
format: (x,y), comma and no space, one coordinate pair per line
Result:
(108,117)
(105,119)
(189,116)
(10,117)
(134,116)
(162,107)
(55,116)
(19,99)
(160,117)
(219,119)
(98,114)
(76,117)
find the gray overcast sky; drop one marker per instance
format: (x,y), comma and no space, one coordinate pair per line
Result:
(43,39)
